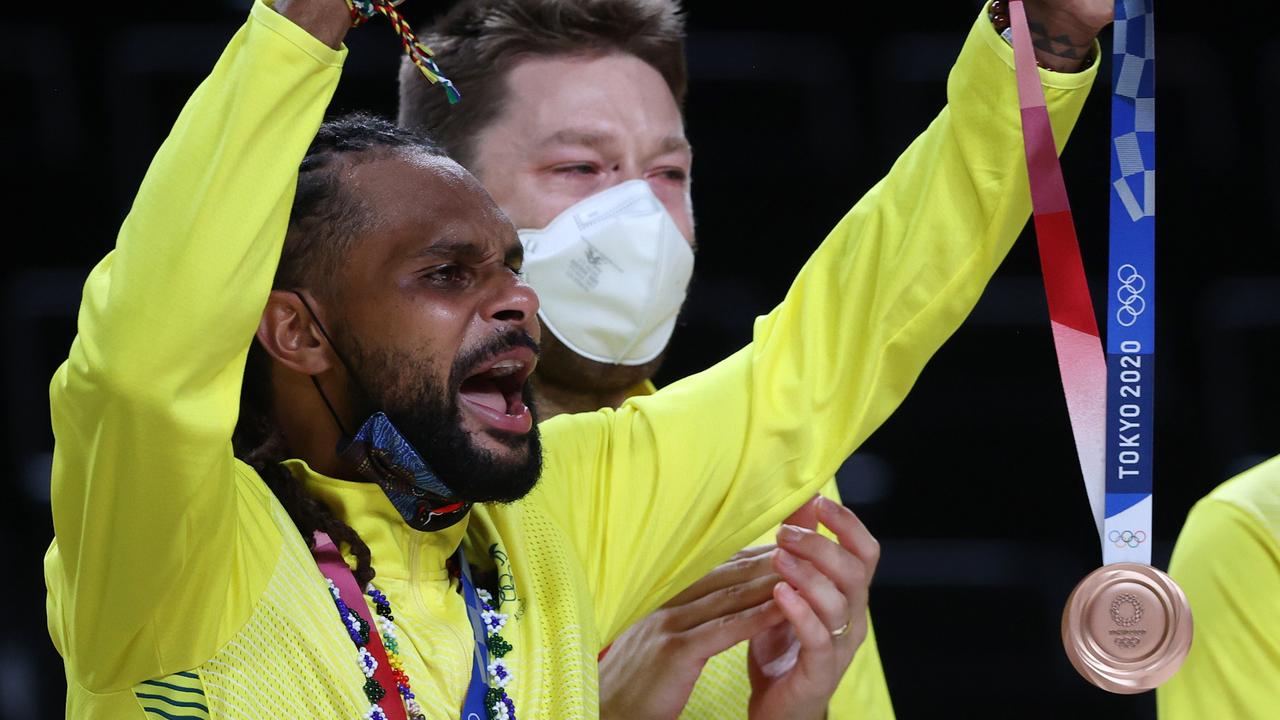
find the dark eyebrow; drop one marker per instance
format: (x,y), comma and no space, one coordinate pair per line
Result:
(452,247)
(468,251)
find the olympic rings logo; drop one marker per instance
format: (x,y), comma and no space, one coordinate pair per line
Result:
(1130,295)
(1126,537)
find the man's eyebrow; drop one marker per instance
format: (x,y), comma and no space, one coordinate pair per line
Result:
(597,140)
(674,143)
(469,251)
(452,247)
(584,138)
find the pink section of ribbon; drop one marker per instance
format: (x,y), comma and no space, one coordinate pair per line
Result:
(1050,194)
(1081,361)
(1084,372)
(329,559)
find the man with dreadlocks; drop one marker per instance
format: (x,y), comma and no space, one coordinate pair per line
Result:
(299,363)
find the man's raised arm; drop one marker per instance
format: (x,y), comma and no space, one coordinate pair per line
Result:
(145,505)
(691,474)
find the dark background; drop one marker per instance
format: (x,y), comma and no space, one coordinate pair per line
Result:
(794,112)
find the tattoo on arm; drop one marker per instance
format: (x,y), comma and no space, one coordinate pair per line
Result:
(1062,46)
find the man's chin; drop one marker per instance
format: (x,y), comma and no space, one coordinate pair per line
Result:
(502,493)
(504,467)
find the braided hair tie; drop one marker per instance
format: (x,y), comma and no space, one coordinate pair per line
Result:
(419,54)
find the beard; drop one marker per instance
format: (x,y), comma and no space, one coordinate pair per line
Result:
(560,367)
(564,369)
(424,408)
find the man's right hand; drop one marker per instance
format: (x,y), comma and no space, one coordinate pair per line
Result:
(327,20)
(650,670)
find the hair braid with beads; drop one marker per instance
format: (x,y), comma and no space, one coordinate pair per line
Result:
(324,219)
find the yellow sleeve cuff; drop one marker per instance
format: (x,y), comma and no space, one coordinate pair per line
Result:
(1048,78)
(262,12)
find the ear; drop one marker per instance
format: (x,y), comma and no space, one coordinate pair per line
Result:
(290,335)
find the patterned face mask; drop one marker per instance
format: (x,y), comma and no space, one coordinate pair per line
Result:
(382,455)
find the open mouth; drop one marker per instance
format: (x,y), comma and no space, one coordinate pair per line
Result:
(494,392)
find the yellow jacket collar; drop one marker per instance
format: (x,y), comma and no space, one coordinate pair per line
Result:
(397,550)
(644,388)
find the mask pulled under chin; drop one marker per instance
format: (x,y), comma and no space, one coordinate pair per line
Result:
(383,456)
(611,274)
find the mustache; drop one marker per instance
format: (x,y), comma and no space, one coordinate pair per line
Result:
(487,350)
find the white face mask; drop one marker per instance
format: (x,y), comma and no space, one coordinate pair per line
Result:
(611,273)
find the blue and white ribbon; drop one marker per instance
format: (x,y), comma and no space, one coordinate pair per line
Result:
(1127,531)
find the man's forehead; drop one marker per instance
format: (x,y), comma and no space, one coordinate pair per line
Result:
(424,184)
(456,239)
(419,200)
(590,100)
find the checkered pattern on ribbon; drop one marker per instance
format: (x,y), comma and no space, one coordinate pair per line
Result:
(1134,107)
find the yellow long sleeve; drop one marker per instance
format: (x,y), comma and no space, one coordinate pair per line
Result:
(143,487)
(657,492)
(175,569)
(1227,560)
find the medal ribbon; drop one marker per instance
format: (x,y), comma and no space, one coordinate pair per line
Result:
(1109,398)
(474,704)
(1131,336)
(329,560)
(333,566)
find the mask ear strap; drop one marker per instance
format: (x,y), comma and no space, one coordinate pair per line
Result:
(316,381)
(342,428)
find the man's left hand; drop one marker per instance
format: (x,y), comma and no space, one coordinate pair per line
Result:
(796,666)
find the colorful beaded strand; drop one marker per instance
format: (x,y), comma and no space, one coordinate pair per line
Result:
(499,704)
(358,631)
(419,53)
(497,701)
(391,641)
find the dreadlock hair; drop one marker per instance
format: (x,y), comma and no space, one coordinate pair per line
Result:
(325,218)
(478,41)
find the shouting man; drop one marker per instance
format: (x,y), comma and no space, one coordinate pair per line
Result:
(296,462)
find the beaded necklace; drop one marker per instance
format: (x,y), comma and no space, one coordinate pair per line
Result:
(358,630)
(391,641)
(498,704)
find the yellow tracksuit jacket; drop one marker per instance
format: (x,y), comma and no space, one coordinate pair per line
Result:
(177,586)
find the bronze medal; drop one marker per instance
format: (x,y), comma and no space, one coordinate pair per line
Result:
(1127,627)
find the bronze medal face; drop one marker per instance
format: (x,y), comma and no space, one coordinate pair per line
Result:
(1127,627)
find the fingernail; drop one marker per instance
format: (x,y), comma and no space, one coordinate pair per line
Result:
(789,533)
(788,594)
(786,559)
